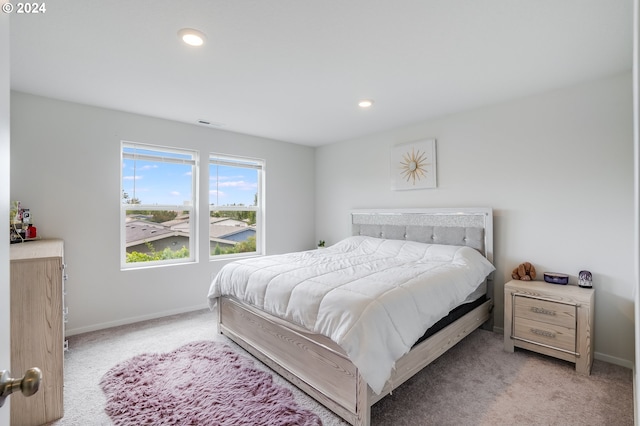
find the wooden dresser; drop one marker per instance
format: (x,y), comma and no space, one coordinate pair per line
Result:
(551,319)
(37,329)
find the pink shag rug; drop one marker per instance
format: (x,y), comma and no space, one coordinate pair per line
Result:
(201,383)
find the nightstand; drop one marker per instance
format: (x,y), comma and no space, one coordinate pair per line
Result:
(551,319)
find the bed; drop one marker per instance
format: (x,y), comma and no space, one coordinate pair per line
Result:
(358,318)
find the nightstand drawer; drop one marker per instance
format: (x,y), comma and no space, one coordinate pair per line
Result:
(548,334)
(545,311)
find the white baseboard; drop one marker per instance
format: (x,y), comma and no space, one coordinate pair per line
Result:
(613,360)
(131,320)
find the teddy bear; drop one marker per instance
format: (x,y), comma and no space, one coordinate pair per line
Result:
(524,272)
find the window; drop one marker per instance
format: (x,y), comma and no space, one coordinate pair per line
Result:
(235,205)
(158,195)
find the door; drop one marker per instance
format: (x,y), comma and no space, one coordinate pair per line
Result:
(5,350)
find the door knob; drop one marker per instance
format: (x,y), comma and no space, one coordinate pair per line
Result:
(28,385)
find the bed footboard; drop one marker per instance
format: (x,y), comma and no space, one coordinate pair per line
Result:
(320,368)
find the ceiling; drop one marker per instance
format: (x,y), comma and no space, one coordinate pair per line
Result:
(294,70)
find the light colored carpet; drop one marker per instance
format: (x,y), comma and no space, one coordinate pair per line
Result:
(475,383)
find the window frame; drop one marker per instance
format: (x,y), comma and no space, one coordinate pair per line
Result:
(191,208)
(216,158)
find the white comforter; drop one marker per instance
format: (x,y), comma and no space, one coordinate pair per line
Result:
(373,297)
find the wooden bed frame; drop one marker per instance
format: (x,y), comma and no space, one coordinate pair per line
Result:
(318,365)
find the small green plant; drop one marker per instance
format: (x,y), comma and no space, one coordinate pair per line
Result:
(154,255)
(321,243)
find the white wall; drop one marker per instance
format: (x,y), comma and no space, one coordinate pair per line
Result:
(557,169)
(65,167)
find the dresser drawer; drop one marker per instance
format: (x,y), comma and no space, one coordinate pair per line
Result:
(545,311)
(552,335)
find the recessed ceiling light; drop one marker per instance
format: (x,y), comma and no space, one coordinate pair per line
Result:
(191,37)
(365,103)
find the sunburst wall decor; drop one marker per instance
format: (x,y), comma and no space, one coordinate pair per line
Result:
(413,165)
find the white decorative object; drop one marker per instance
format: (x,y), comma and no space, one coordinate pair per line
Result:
(413,165)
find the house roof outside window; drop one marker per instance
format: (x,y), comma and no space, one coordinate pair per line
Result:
(139,230)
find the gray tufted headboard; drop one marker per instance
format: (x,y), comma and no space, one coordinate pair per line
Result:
(471,227)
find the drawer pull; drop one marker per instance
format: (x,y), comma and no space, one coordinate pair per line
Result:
(542,311)
(543,333)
